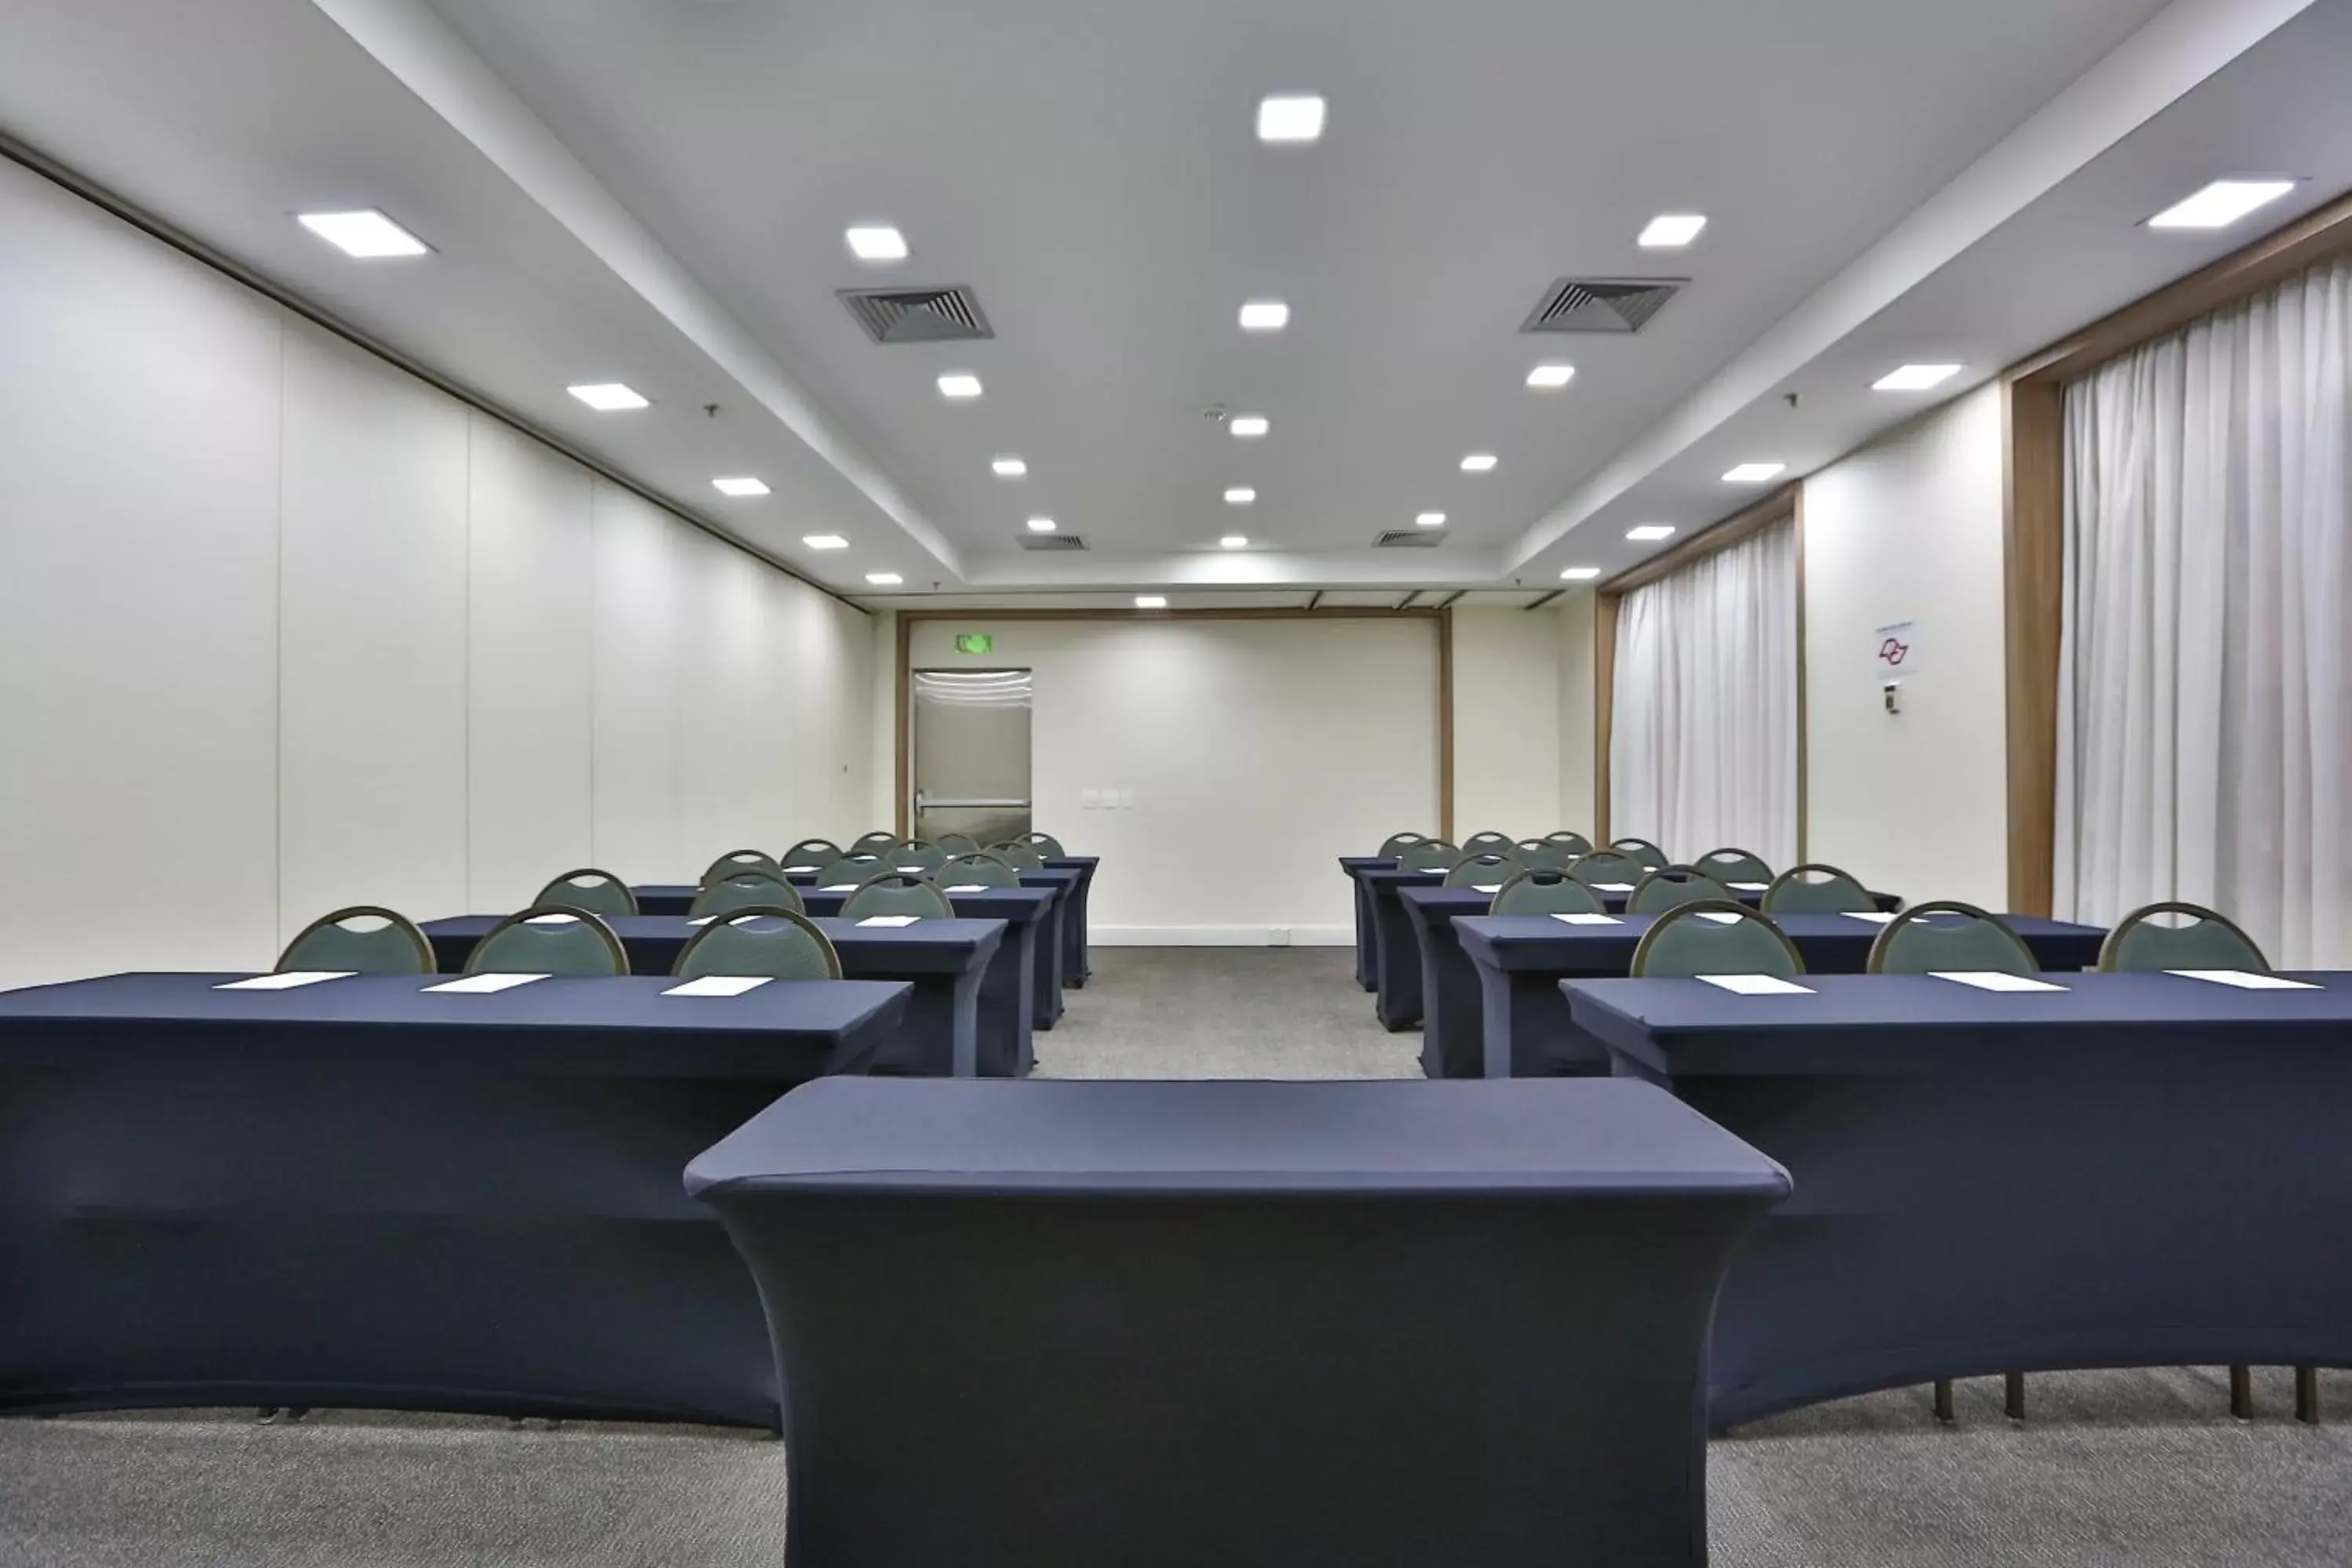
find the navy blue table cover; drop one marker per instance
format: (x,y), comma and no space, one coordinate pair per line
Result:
(2142,1169)
(1008,988)
(1078,962)
(351,1194)
(1368,973)
(1512,1021)
(945,960)
(1248,1324)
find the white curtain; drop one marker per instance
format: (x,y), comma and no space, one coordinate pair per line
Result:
(2202,742)
(1703,728)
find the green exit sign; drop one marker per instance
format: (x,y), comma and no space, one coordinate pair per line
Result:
(975,642)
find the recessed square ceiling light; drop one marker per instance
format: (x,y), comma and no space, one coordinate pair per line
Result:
(1249,426)
(1479,463)
(1151,601)
(1915,377)
(743,487)
(1042,525)
(1650,533)
(1008,468)
(1264,316)
(1233,542)
(1240,495)
(1290,117)
(1428,520)
(1580,573)
(2221,204)
(824,541)
(876,242)
(958,384)
(1550,377)
(1752,473)
(884,579)
(367,235)
(1670,231)
(607,396)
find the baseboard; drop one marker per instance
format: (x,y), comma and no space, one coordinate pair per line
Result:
(1221,936)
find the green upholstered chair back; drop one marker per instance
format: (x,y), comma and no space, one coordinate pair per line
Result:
(739,860)
(1606,866)
(897,893)
(1396,843)
(917,853)
(1488,871)
(1046,844)
(1578,844)
(598,892)
(1429,855)
(549,940)
(957,844)
(814,853)
(2204,940)
(1647,854)
(781,943)
(1659,891)
(1019,856)
(1715,936)
(1488,843)
(1733,866)
(850,870)
(1541,890)
(875,843)
(1814,888)
(1543,853)
(748,891)
(982,870)
(1949,935)
(362,939)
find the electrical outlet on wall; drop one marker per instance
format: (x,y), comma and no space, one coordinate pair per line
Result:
(1088,799)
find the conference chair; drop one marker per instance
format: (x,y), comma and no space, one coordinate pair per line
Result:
(1650,856)
(1397,843)
(1578,844)
(1733,866)
(1715,936)
(1659,891)
(1046,844)
(897,893)
(850,870)
(1429,855)
(748,891)
(597,893)
(1814,888)
(1608,865)
(1488,843)
(917,853)
(364,939)
(957,844)
(739,860)
(2207,940)
(1543,891)
(1544,853)
(1019,856)
(779,943)
(1488,871)
(981,870)
(876,843)
(813,853)
(548,938)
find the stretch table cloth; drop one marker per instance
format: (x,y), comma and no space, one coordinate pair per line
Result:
(355,1194)
(1402,929)
(1368,950)
(1008,987)
(945,960)
(2139,1169)
(1513,1021)
(1254,1325)
(1078,962)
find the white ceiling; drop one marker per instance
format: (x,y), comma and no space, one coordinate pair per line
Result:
(654,191)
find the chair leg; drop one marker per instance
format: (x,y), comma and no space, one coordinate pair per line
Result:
(2013,1394)
(1943,1400)
(2306,1394)
(2242,1391)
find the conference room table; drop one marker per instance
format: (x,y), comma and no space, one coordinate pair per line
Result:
(1402,929)
(365,1192)
(1252,1324)
(1367,949)
(1078,959)
(2129,1170)
(945,962)
(1512,1021)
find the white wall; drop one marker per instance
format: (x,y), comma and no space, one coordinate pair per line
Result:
(1257,752)
(1507,750)
(283,628)
(1909,528)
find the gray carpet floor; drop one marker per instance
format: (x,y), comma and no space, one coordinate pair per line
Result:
(2136,1469)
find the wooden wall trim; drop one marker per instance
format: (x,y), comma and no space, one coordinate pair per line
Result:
(1604,687)
(902,745)
(1804,746)
(1445,725)
(1721,534)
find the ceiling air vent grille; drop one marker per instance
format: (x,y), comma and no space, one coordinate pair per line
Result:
(1602,304)
(1049,542)
(918,315)
(1410,538)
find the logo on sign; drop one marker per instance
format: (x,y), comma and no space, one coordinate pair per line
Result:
(1895,651)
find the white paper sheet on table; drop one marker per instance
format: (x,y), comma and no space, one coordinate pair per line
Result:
(1757,984)
(2242,980)
(701,920)
(1587,920)
(838,888)
(911,870)
(1486,887)
(287,981)
(553,918)
(1614,886)
(890,920)
(968,887)
(1748,886)
(1992,980)
(484,984)
(1876,917)
(801,867)
(1720,917)
(719,985)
